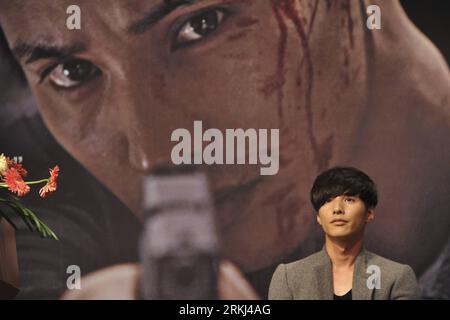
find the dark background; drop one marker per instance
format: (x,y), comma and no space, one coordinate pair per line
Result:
(432,17)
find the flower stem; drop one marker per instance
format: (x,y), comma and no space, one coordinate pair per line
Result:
(4,185)
(36,182)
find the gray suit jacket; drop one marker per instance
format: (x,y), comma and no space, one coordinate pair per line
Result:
(311,278)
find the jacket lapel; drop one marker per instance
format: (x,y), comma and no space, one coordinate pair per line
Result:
(324,276)
(360,290)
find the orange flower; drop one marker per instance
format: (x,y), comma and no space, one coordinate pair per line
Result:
(15,182)
(18,166)
(54,173)
(52,183)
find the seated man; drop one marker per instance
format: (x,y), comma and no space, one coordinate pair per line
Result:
(344,199)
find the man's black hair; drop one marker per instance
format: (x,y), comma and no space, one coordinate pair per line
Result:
(339,181)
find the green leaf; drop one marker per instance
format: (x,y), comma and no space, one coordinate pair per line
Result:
(15,208)
(30,219)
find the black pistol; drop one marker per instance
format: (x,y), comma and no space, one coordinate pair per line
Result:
(179,244)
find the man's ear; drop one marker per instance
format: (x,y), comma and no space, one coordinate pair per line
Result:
(318,218)
(370,215)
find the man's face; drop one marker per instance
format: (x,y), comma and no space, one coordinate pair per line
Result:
(113,92)
(344,217)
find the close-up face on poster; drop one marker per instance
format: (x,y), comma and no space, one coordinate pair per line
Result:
(224,150)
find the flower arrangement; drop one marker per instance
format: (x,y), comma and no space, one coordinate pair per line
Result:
(12,176)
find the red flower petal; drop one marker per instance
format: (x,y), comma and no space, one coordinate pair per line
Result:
(18,166)
(15,182)
(47,189)
(54,173)
(52,185)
